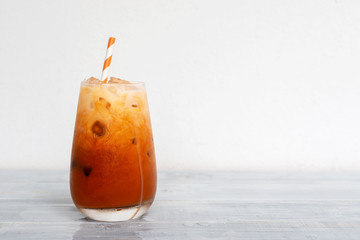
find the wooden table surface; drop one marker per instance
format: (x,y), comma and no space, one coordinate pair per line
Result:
(36,204)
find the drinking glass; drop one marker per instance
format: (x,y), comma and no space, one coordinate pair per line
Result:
(113,169)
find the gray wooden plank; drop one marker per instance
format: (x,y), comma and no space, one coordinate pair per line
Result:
(232,230)
(201,186)
(163,211)
(191,205)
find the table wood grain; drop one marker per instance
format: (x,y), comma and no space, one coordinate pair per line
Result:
(36,204)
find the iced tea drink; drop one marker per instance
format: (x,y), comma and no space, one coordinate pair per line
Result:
(113,170)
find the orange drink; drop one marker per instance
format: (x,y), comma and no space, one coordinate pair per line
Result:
(113,169)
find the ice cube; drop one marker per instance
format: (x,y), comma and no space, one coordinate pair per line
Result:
(93,80)
(117,80)
(104,102)
(87,171)
(98,129)
(112,89)
(73,162)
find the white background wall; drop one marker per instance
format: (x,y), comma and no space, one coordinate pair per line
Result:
(247,85)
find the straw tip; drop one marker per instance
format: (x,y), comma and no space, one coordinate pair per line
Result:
(111,41)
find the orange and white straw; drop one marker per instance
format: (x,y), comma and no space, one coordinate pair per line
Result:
(109,50)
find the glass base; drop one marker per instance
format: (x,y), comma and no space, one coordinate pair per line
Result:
(115,214)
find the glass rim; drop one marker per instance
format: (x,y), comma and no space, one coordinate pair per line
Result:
(128,83)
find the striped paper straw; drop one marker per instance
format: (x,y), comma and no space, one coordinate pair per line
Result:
(109,50)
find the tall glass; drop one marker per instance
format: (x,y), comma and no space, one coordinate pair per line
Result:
(113,169)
